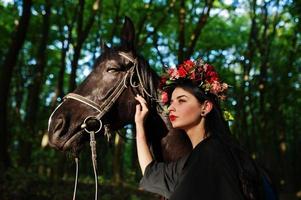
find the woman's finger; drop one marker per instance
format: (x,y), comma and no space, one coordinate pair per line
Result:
(141,101)
(138,108)
(141,109)
(144,107)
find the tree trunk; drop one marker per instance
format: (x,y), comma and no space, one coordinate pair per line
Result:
(266,45)
(198,29)
(65,41)
(6,77)
(165,12)
(35,89)
(181,38)
(82,34)
(242,125)
(117,5)
(117,160)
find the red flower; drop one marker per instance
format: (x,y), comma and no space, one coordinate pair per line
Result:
(171,71)
(215,87)
(164,97)
(200,69)
(162,82)
(211,76)
(188,65)
(182,72)
(208,67)
(192,75)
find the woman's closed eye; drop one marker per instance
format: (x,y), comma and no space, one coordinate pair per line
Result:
(181,100)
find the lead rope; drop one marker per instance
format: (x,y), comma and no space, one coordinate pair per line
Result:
(102,110)
(94,155)
(94,162)
(89,129)
(76,178)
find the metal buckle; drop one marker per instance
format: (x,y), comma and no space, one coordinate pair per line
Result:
(84,125)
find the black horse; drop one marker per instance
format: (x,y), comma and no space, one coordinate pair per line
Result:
(108,93)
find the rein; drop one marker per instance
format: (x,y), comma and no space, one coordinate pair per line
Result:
(102,110)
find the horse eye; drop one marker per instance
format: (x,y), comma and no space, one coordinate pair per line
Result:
(113,69)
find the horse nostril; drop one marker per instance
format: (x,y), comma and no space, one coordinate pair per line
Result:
(60,123)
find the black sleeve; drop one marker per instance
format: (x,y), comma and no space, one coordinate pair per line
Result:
(161,178)
(210,175)
(226,183)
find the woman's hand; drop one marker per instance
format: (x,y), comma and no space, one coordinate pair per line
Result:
(144,155)
(141,110)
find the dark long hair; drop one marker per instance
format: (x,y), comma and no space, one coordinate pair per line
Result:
(216,125)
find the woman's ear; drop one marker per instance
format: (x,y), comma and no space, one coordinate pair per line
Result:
(206,107)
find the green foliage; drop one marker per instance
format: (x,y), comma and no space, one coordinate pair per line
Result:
(21,184)
(262,70)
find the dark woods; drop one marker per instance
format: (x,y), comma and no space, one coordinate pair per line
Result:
(49,47)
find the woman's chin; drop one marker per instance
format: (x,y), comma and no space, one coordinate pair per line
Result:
(175,125)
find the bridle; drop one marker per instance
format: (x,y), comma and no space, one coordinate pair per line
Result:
(102,110)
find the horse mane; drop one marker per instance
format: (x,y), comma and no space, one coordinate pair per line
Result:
(149,77)
(166,143)
(150,81)
(155,126)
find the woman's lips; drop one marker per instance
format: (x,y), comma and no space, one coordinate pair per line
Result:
(172,117)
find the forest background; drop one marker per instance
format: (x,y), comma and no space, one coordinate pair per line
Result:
(47,47)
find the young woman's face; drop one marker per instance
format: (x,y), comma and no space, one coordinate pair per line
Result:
(184,110)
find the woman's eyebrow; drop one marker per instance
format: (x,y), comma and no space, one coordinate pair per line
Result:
(178,97)
(181,96)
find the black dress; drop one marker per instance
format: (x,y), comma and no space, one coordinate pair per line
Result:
(207,173)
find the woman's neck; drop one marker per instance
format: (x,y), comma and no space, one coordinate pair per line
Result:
(196,133)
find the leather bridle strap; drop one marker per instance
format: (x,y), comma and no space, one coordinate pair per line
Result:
(83,100)
(104,108)
(107,104)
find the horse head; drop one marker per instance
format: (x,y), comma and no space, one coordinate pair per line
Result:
(108,92)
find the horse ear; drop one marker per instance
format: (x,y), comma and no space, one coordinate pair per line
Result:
(128,34)
(104,47)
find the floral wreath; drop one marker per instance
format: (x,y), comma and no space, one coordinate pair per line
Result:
(200,73)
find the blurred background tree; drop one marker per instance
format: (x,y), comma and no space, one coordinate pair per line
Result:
(48,47)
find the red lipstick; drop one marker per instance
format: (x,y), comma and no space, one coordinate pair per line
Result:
(172,117)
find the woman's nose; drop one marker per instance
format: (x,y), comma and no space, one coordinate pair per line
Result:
(171,108)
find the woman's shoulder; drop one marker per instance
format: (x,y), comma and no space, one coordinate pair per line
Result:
(212,150)
(211,145)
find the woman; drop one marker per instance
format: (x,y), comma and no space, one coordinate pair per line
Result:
(217,167)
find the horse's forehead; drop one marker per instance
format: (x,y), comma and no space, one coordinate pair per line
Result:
(112,62)
(128,54)
(117,58)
